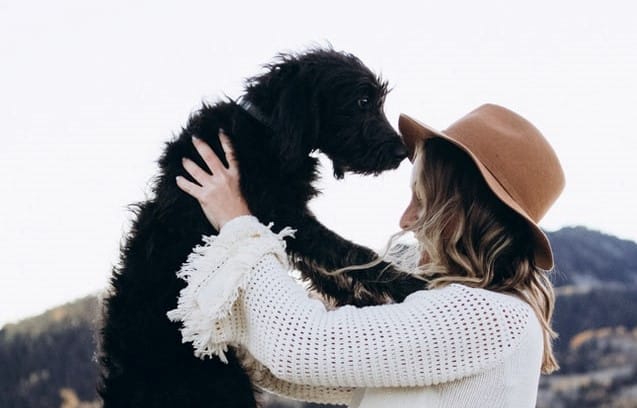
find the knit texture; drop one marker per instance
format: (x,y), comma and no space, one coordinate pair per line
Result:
(453,346)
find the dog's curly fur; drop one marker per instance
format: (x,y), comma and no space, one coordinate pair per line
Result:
(319,100)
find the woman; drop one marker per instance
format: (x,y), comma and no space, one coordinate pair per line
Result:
(479,337)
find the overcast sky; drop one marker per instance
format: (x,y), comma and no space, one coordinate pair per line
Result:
(90,92)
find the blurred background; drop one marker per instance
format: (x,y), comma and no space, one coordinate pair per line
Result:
(90,91)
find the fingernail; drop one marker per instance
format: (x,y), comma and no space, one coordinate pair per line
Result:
(194,138)
(221,131)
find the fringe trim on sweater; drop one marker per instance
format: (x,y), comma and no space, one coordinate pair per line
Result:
(216,272)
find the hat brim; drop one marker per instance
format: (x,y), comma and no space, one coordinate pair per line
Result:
(414,131)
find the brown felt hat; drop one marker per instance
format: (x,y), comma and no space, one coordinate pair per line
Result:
(517,162)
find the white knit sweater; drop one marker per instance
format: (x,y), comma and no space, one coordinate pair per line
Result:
(451,347)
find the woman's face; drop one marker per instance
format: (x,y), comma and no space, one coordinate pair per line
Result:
(414,209)
(411,213)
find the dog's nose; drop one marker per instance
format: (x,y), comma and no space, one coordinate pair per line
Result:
(400,151)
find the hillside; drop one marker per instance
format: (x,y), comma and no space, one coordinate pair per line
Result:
(49,356)
(47,360)
(587,258)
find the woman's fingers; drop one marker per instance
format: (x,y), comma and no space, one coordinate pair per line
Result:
(228,150)
(208,155)
(219,193)
(189,187)
(199,174)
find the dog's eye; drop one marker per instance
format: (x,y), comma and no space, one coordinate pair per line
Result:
(363,102)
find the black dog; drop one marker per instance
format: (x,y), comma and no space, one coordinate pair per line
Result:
(321,100)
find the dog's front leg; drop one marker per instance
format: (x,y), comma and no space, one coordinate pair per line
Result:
(316,251)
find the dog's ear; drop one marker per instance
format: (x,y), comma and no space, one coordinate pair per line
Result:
(296,114)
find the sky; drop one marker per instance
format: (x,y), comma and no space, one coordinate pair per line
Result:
(90,91)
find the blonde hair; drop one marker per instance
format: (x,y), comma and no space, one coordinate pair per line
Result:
(471,237)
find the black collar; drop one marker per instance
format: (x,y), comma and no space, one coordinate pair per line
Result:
(253,111)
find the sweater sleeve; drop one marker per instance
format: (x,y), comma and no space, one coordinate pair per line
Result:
(432,337)
(209,307)
(263,378)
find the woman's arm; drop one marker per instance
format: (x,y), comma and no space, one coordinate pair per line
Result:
(216,273)
(432,337)
(265,380)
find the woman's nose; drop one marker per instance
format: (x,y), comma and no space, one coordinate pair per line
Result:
(410,216)
(403,223)
(407,219)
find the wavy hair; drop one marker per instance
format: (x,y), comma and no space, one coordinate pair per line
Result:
(471,237)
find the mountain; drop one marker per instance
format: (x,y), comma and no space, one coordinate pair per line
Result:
(596,319)
(588,258)
(48,360)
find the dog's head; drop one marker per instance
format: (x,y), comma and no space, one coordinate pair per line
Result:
(329,101)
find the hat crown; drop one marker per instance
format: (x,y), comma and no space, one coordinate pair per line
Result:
(516,153)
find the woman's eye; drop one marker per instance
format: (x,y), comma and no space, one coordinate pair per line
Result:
(363,102)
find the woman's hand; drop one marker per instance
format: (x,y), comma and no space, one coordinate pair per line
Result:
(218,193)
